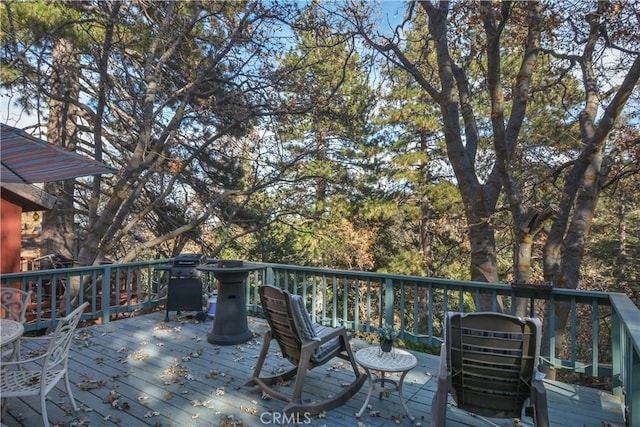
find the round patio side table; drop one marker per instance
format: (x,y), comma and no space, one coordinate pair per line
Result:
(396,361)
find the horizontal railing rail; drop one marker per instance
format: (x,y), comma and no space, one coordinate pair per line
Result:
(590,333)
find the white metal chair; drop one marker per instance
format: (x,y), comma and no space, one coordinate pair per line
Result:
(13,306)
(27,381)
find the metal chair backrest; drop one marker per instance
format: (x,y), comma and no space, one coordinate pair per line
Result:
(60,342)
(13,304)
(493,359)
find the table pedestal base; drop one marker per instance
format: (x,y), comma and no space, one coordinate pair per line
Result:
(213,338)
(397,386)
(230,322)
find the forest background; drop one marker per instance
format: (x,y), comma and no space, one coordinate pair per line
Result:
(490,141)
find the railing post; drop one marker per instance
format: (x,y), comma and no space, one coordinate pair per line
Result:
(633,388)
(389,302)
(616,355)
(268,279)
(106,294)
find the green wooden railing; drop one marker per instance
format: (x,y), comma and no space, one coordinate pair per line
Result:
(601,330)
(112,289)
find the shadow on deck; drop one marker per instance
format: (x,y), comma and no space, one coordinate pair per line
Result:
(144,372)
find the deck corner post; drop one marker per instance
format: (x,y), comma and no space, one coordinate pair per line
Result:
(106,294)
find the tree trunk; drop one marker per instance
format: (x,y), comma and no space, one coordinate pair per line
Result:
(425,236)
(522,262)
(58,227)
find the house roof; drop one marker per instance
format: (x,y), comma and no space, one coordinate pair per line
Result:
(28,196)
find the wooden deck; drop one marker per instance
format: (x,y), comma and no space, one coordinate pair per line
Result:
(144,372)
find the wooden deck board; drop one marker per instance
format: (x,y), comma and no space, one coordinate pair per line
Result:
(167,374)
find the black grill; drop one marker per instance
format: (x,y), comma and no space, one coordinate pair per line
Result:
(185,285)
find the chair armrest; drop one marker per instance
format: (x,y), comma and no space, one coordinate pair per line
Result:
(439,401)
(23,361)
(328,334)
(44,340)
(443,371)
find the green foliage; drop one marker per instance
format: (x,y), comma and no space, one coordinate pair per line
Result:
(387,332)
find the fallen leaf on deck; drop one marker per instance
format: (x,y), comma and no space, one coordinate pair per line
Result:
(110,397)
(215,373)
(89,384)
(229,421)
(251,411)
(140,355)
(36,353)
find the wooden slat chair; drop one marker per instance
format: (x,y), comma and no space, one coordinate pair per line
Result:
(306,345)
(37,376)
(489,364)
(13,306)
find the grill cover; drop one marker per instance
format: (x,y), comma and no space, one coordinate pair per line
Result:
(185,287)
